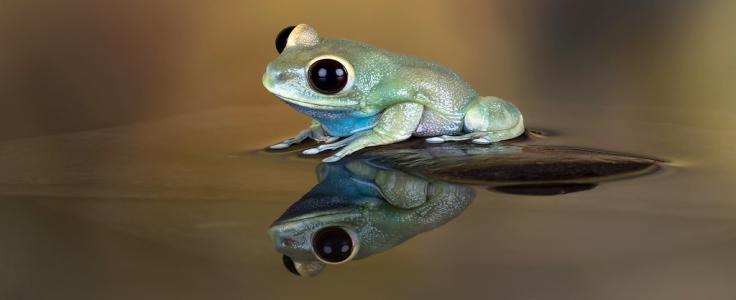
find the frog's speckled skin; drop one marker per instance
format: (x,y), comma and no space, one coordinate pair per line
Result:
(383,207)
(389,98)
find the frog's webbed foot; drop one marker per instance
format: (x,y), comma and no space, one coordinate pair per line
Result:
(314,132)
(332,145)
(479,137)
(454,138)
(328,139)
(366,140)
(288,142)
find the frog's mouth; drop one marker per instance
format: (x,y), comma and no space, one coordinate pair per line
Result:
(326,103)
(338,214)
(342,105)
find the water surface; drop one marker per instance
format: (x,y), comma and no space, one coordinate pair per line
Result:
(189,200)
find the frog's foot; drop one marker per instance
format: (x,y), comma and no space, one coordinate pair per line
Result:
(325,147)
(480,137)
(481,141)
(328,139)
(455,138)
(487,137)
(330,144)
(314,132)
(285,144)
(303,135)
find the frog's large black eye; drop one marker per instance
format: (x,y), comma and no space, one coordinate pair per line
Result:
(328,76)
(332,244)
(282,37)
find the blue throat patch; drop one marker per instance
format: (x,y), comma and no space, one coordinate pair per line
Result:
(339,123)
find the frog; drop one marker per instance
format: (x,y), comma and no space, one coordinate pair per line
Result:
(359,96)
(361,206)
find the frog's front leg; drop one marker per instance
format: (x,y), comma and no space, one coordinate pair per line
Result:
(314,132)
(397,123)
(335,145)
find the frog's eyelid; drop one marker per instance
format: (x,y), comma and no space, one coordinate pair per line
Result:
(303,35)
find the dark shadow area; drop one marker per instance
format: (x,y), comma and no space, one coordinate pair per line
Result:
(549,189)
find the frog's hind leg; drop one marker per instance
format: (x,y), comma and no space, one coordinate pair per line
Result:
(487,137)
(488,120)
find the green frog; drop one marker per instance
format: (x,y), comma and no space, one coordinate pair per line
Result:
(360,96)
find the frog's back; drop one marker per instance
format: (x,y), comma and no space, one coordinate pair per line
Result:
(444,94)
(436,78)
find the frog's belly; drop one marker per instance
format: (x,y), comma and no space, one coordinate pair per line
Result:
(433,124)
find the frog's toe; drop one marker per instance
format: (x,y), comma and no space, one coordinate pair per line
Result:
(435,140)
(333,158)
(279,146)
(311,151)
(324,147)
(481,141)
(331,139)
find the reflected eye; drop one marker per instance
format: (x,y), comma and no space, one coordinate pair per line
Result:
(328,76)
(333,245)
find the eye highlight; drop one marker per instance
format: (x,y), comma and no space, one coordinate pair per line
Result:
(328,76)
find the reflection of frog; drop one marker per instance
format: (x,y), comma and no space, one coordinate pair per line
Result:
(370,97)
(358,209)
(373,201)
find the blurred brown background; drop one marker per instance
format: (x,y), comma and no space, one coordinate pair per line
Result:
(178,208)
(82,64)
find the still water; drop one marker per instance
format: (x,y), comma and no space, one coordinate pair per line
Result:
(180,208)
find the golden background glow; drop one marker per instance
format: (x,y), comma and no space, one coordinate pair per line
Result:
(81,64)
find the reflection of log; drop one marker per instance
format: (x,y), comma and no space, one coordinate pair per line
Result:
(545,189)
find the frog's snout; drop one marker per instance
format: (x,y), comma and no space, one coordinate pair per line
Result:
(271,77)
(264,78)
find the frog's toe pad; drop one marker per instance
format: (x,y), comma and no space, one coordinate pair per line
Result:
(311,151)
(330,159)
(435,140)
(279,146)
(481,141)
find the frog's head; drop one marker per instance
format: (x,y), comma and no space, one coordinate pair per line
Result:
(322,74)
(343,217)
(318,231)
